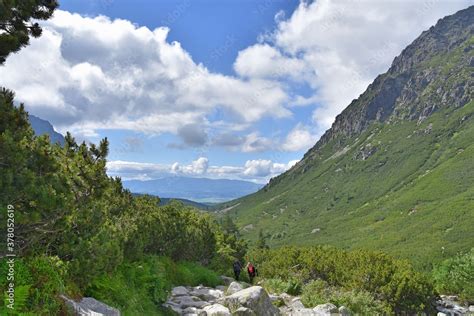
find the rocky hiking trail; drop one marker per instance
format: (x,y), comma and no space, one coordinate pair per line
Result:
(239,298)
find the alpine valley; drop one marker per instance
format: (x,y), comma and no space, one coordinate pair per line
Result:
(395,171)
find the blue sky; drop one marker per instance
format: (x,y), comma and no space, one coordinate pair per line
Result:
(220,89)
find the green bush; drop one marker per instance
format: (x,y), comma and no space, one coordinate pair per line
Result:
(388,280)
(359,302)
(38,283)
(290,286)
(456,276)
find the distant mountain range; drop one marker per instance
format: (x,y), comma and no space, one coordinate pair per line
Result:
(191,191)
(196,189)
(41,127)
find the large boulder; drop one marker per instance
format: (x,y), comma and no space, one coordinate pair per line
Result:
(217,310)
(254,298)
(234,287)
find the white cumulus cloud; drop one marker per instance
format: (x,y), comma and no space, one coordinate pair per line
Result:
(259,171)
(87,73)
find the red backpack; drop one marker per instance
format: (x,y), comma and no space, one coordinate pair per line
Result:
(251,269)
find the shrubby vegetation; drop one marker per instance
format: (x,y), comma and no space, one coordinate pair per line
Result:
(75,225)
(355,278)
(359,302)
(456,276)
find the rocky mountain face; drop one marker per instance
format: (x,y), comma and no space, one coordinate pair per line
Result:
(418,82)
(394,172)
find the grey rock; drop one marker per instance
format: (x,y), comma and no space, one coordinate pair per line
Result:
(344,311)
(207,294)
(255,298)
(217,310)
(179,291)
(234,287)
(243,311)
(296,304)
(90,306)
(326,309)
(193,311)
(304,312)
(189,301)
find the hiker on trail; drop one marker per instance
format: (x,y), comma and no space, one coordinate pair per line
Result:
(237,268)
(252,271)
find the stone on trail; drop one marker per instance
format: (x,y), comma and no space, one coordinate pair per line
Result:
(189,301)
(254,298)
(344,311)
(296,304)
(193,311)
(234,287)
(207,294)
(179,291)
(243,311)
(90,306)
(326,309)
(217,310)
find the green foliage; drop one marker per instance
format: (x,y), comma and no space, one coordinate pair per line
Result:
(87,223)
(359,302)
(261,241)
(15,25)
(393,282)
(21,298)
(291,286)
(140,288)
(456,276)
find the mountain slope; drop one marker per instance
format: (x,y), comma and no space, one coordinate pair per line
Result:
(195,189)
(41,127)
(395,171)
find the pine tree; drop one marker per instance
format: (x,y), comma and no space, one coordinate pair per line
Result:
(15,25)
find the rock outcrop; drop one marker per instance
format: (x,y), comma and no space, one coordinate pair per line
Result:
(254,298)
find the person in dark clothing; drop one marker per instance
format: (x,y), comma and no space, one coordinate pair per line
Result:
(237,268)
(252,271)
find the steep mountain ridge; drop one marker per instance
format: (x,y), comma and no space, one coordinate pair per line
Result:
(398,94)
(394,171)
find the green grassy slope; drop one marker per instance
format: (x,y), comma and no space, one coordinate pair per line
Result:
(402,185)
(412,197)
